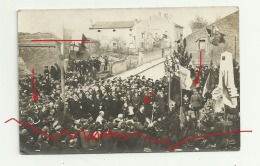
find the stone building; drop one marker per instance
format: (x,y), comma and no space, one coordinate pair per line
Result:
(137,34)
(199,40)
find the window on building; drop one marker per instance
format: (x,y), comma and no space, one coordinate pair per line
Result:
(114,30)
(142,44)
(202,44)
(142,34)
(114,44)
(130,29)
(99,30)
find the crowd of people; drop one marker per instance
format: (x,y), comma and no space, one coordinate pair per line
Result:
(116,105)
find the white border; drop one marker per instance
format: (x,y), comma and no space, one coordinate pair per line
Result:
(250,113)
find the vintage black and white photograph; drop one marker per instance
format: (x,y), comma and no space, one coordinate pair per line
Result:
(129,80)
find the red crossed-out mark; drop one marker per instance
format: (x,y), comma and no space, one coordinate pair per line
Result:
(147,99)
(60,40)
(198,77)
(35,96)
(94,135)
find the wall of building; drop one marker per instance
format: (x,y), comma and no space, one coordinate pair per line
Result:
(105,36)
(38,58)
(178,31)
(152,29)
(143,35)
(229,26)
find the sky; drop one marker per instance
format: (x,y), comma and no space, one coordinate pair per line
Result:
(78,20)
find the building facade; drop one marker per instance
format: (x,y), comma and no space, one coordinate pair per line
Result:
(199,41)
(113,34)
(155,31)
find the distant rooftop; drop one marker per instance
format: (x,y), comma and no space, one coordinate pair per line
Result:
(113,25)
(177,25)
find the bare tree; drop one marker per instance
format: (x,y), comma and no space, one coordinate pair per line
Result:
(119,43)
(197,23)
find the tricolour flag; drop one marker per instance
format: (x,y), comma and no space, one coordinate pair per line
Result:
(175,90)
(185,78)
(226,96)
(215,37)
(209,85)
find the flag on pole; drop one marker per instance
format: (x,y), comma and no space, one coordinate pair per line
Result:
(215,37)
(59,46)
(67,35)
(175,91)
(182,117)
(185,78)
(82,46)
(226,96)
(208,84)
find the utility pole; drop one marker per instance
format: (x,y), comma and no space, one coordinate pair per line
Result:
(235,47)
(62,57)
(65,50)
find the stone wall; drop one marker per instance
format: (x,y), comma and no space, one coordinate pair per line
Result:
(145,57)
(229,26)
(38,57)
(118,66)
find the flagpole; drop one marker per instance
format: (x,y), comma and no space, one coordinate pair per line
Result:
(180,84)
(63,77)
(169,91)
(235,47)
(181,109)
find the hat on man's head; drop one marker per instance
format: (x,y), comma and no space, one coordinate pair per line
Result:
(24,132)
(120,116)
(58,127)
(77,121)
(72,142)
(195,90)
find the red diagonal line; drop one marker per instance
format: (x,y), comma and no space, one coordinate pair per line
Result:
(198,77)
(147,99)
(60,40)
(150,94)
(116,134)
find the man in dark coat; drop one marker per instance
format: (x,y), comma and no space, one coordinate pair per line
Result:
(140,115)
(114,106)
(46,73)
(72,147)
(196,101)
(106,105)
(97,102)
(106,63)
(93,72)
